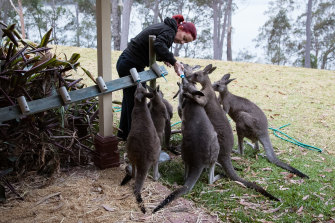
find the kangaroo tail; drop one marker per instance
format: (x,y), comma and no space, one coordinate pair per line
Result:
(167,134)
(189,184)
(139,181)
(126,179)
(271,156)
(229,169)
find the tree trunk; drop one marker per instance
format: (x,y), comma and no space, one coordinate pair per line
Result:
(116,24)
(77,25)
(156,11)
(53,22)
(223,33)
(3,13)
(20,13)
(219,29)
(229,50)
(308,35)
(215,30)
(23,32)
(325,57)
(127,5)
(177,48)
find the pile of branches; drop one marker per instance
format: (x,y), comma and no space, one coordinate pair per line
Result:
(53,139)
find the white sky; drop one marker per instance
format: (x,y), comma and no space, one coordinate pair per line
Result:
(246,21)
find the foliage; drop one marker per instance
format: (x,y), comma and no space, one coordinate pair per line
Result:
(276,33)
(46,141)
(246,56)
(322,39)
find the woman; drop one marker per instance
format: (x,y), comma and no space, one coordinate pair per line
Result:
(172,30)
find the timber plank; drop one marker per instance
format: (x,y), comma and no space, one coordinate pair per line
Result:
(43,104)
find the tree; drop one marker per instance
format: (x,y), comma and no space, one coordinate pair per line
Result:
(87,27)
(245,56)
(219,27)
(36,18)
(127,6)
(20,13)
(229,12)
(275,34)
(308,35)
(116,24)
(324,33)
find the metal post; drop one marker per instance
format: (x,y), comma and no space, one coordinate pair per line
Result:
(152,57)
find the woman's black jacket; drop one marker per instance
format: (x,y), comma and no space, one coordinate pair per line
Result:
(137,50)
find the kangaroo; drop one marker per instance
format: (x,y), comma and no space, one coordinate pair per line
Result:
(200,147)
(143,144)
(189,70)
(158,111)
(221,125)
(161,110)
(251,122)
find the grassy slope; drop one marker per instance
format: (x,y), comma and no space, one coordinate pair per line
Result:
(301,97)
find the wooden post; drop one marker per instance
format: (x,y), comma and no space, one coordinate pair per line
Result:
(105,142)
(152,57)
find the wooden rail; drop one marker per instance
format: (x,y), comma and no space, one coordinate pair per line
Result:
(43,104)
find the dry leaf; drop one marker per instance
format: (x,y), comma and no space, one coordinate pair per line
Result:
(304,198)
(300,209)
(240,184)
(107,207)
(289,175)
(283,188)
(272,210)
(329,170)
(267,169)
(236,158)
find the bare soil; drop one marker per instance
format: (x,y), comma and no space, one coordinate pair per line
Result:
(87,194)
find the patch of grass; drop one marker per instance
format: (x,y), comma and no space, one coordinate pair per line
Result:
(299,96)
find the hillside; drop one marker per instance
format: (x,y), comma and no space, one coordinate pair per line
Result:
(303,98)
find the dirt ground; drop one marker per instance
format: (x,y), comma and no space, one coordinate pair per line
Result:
(87,194)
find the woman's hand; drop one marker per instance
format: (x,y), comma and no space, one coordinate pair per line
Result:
(167,64)
(178,68)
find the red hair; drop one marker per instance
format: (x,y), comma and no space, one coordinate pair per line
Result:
(187,26)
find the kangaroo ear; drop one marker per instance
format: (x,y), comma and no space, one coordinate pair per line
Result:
(230,80)
(149,95)
(207,68)
(196,67)
(176,93)
(211,71)
(225,77)
(187,95)
(157,89)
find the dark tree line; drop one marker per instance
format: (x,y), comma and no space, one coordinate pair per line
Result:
(307,39)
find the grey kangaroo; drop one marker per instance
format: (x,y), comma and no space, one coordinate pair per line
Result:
(161,113)
(200,147)
(143,145)
(221,125)
(250,120)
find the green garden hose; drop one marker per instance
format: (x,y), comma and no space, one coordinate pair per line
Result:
(294,141)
